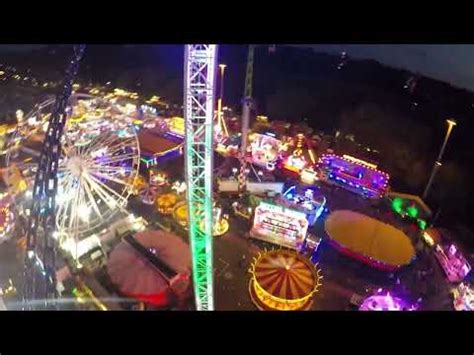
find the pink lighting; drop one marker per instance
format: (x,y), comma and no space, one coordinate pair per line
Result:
(384,301)
(454,264)
(353,174)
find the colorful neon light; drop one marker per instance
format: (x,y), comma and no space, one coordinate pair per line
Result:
(305,203)
(463,297)
(295,163)
(386,302)
(453,262)
(283,280)
(353,174)
(200,72)
(308,176)
(359,161)
(279,225)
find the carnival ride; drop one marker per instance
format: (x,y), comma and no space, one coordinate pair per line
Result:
(283,280)
(463,297)
(166,202)
(353,174)
(153,267)
(302,156)
(264,150)
(220,221)
(382,300)
(148,195)
(6,217)
(97,167)
(93,192)
(199,76)
(371,241)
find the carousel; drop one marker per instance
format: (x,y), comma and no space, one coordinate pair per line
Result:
(220,222)
(166,203)
(148,195)
(283,280)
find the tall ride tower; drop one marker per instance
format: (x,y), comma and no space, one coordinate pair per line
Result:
(246,106)
(40,268)
(199,76)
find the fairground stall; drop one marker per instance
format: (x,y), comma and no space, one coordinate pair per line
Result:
(283,280)
(279,225)
(453,262)
(305,200)
(353,174)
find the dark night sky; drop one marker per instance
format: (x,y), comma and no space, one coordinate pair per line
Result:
(446,62)
(451,63)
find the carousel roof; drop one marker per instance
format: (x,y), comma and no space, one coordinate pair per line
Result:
(286,275)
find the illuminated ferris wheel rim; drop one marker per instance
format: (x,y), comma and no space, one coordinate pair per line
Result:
(95,167)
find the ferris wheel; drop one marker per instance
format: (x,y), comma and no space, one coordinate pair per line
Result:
(99,159)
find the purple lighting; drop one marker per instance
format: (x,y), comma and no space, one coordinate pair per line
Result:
(384,301)
(354,174)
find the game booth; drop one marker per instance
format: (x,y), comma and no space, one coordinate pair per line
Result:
(305,200)
(353,174)
(453,262)
(279,225)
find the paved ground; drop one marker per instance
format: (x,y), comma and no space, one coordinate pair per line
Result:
(343,276)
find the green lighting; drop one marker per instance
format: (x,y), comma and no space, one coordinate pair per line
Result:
(397,205)
(412,211)
(198,112)
(422,224)
(147,161)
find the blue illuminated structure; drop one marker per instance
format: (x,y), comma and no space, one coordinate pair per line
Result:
(304,200)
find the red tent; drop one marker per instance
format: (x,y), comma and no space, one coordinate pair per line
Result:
(137,277)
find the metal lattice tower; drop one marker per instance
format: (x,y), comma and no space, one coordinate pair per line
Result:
(246,106)
(199,75)
(40,268)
